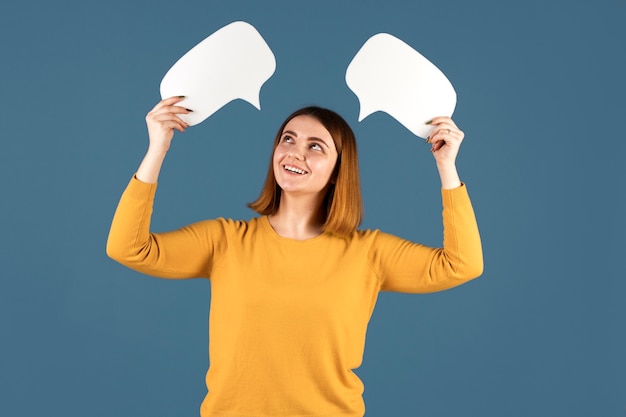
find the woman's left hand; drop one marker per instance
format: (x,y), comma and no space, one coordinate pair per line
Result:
(446,140)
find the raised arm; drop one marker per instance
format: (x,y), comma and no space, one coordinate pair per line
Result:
(411,267)
(183,253)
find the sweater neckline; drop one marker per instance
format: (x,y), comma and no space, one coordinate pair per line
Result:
(265,221)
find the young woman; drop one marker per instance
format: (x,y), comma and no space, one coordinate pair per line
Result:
(292,290)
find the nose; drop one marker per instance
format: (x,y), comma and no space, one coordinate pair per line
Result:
(296,153)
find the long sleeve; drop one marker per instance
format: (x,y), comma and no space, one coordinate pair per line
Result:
(183,253)
(414,268)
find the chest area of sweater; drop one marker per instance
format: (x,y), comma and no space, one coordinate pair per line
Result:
(312,276)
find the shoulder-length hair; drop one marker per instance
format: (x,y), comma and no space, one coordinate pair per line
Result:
(343,204)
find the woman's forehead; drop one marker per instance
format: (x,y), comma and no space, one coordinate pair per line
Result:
(307,125)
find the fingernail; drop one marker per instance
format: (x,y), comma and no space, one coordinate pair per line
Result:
(429,122)
(180,96)
(428,139)
(189,110)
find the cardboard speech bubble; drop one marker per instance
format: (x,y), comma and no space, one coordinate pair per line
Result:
(388,75)
(232,63)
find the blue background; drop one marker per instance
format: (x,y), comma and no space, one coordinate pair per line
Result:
(540,96)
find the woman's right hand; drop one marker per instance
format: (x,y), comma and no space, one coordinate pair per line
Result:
(162,120)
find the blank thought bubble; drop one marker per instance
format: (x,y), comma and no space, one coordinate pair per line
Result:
(234,62)
(388,75)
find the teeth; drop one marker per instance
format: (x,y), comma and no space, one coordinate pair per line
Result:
(293,169)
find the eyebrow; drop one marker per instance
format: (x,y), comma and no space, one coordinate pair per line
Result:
(310,139)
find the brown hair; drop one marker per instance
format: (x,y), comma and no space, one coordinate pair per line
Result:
(343,204)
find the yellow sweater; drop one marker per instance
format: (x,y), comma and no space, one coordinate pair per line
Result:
(288,318)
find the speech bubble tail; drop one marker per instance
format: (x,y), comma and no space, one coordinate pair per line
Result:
(364,112)
(254,100)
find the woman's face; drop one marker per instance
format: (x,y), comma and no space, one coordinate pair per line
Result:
(305,157)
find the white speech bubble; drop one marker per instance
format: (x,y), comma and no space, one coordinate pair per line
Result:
(232,63)
(388,75)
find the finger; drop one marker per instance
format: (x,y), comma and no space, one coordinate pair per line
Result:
(437,145)
(445,137)
(173,110)
(447,128)
(172,100)
(166,125)
(444,122)
(166,118)
(165,122)
(445,133)
(169,110)
(168,102)
(167,113)
(441,119)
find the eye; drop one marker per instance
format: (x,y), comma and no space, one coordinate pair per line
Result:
(316,147)
(287,139)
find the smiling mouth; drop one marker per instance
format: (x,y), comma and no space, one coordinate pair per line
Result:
(294,170)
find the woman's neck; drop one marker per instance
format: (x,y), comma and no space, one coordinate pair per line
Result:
(298,218)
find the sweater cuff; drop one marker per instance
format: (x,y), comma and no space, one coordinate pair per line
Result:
(455,196)
(141,190)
